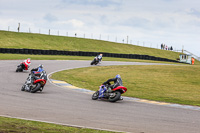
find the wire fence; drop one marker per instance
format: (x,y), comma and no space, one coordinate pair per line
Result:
(111,38)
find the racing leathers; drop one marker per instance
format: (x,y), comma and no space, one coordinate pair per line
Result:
(99,57)
(36,72)
(117,82)
(26,63)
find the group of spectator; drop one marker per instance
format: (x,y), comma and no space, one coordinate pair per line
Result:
(165,47)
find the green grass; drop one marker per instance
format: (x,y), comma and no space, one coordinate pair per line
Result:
(49,42)
(8,125)
(174,84)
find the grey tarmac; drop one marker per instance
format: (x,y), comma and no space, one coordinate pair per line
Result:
(69,107)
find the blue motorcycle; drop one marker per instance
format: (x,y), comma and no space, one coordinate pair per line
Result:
(112,96)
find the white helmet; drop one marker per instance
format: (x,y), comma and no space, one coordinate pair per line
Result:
(41,66)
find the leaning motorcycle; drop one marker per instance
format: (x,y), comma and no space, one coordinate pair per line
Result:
(95,61)
(112,96)
(21,67)
(38,84)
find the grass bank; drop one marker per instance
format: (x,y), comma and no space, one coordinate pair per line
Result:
(171,83)
(8,125)
(50,42)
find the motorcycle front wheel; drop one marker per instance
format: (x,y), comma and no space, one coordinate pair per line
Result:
(95,95)
(92,62)
(23,88)
(19,69)
(114,96)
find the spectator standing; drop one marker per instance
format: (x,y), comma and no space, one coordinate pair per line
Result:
(171,48)
(166,47)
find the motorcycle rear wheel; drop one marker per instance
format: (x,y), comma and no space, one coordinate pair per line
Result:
(19,69)
(95,95)
(36,88)
(116,96)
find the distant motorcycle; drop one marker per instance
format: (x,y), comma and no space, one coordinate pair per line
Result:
(21,67)
(95,61)
(112,96)
(24,65)
(39,81)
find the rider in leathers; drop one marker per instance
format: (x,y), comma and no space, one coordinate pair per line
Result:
(36,72)
(117,82)
(100,56)
(26,64)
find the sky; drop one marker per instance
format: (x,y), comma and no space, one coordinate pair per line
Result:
(146,23)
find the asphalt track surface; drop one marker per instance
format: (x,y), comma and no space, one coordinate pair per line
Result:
(68,107)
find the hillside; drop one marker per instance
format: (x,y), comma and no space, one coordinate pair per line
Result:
(50,42)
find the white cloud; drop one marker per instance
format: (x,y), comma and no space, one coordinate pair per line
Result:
(76,23)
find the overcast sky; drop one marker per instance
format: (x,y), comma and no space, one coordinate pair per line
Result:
(146,22)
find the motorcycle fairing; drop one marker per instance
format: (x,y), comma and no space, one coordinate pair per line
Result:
(40,80)
(122,88)
(102,90)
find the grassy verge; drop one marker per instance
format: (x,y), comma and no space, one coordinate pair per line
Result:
(174,84)
(49,42)
(8,125)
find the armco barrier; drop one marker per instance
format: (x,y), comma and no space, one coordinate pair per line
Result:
(81,53)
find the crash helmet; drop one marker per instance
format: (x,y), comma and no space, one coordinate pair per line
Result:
(28,60)
(117,76)
(41,66)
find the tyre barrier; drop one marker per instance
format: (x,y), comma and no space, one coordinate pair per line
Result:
(81,53)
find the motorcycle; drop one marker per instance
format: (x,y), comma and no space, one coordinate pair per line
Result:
(95,61)
(112,96)
(39,81)
(21,67)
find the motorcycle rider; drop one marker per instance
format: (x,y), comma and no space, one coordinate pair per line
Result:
(36,72)
(99,57)
(26,63)
(117,82)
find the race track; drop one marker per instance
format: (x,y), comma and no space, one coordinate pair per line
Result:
(65,106)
